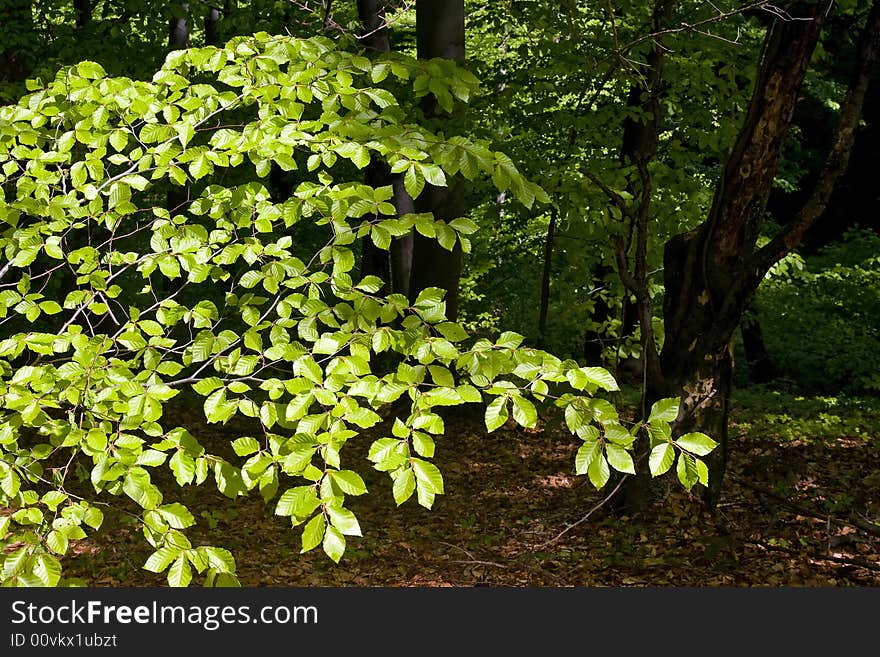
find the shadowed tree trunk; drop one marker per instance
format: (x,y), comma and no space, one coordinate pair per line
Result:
(394,265)
(212,18)
(178,37)
(178,29)
(761,367)
(638,148)
(712,272)
(83,10)
(439,33)
(17,21)
(546,275)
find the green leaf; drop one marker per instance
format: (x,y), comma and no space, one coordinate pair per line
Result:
(334,543)
(696,443)
(600,377)
(404,485)
(524,411)
(15,563)
(47,569)
(664,410)
(344,520)
(414,180)
(218,558)
(509,340)
(686,469)
(599,472)
(93,517)
(619,458)
(245,446)
(180,573)
(702,472)
(429,475)
(177,515)
(161,558)
(57,542)
(586,454)
(349,482)
(496,413)
(434,175)
(183,466)
(313,533)
(423,444)
(298,502)
(661,459)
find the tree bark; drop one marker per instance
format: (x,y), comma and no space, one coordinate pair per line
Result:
(712,272)
(547,275)
(16,17)
(83,10)
(212,18)
(439,33)
(395,265)
(638,149)
(761,368)
(178,30)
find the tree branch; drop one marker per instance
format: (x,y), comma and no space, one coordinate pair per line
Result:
(838,158)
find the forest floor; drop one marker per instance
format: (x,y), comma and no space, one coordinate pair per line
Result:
(803,474)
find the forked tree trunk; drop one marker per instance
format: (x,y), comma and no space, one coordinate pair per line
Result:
(712,272)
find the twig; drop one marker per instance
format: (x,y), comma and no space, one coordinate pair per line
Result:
(865,526)
(847,561)
(587,516)
(478,562)
(472,559)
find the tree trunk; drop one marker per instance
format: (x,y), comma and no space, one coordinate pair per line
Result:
(16,17)
(707,286)
(394,266)
(439,33)
(83,10)
(638,148)
(178,30)
(212,18)
(761,368)
(546,276)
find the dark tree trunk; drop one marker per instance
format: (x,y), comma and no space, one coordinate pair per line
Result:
(758,359)
(439,33)
(17,20)
(212,18)
(712,272)
(638,148)
(178,29)
(432,265)
(393,267)
(704,303)
(547,275)
(83,10)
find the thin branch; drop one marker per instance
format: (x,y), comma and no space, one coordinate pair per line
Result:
(847,561)
(615,197)
(589,513)
(866,526)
